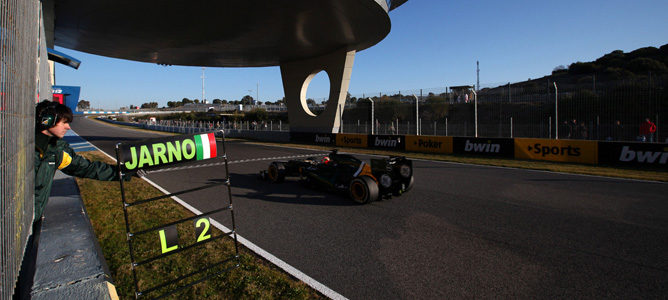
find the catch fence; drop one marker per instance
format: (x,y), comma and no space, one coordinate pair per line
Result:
(19,82)
(611,111)
(614,111)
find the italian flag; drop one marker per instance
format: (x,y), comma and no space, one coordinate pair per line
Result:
(206,146)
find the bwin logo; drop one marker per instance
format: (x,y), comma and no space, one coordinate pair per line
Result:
(386,143)
(649,157)
(475,147)
(322,139)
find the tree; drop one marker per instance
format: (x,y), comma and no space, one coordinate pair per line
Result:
(310,101)
(83,104)
(648,52)
(257,114)
(174,104)
(615,59)
(349,98)
(150,105)
(186,101)
(217,101)
(247,100)
(643,65)
(559,69)
(582,68)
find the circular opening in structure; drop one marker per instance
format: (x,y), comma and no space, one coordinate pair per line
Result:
(315,93)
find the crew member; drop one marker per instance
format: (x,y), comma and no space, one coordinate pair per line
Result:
(53,153)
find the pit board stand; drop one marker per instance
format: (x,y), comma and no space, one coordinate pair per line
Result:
(154,154)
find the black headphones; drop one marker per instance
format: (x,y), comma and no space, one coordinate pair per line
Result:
(48,116)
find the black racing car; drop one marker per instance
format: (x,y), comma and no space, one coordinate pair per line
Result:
(364,182)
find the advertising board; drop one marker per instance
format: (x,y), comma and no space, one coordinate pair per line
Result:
(497,147)
(633,154)
(390,142)
(557,150)
(430,144)
(352,140)
(327,139)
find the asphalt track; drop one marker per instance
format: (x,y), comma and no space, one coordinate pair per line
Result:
(464,231)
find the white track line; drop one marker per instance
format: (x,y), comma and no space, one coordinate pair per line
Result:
(234,162)
(259,251)
(250,245)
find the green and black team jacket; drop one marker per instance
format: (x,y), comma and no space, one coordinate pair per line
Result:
(51,154)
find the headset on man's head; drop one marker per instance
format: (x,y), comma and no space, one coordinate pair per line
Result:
(48,116)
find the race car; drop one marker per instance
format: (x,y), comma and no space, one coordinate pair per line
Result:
(345,173)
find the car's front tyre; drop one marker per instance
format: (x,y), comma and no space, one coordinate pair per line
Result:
(276,172)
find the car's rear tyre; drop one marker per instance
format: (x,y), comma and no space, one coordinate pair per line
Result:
(410,184)
(363,189)
(276,172)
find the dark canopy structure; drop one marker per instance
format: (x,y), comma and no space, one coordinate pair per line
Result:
(222,33)
(303,37)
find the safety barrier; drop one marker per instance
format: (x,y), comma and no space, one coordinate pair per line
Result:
(563,150)
(575,151)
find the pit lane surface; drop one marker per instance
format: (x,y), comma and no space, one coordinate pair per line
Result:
(464,231)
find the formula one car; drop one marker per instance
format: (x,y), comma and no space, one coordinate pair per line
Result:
(345,173)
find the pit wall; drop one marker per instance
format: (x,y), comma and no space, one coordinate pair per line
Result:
(575,151)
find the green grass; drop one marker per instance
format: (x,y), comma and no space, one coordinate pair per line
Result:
(253,279)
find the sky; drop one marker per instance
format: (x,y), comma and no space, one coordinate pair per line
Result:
(432,44)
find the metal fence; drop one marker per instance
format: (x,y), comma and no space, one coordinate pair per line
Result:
(19,41)
(611,111)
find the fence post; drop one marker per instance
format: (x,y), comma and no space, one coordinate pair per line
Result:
(417,115)
(657,129)
(556,111)
(446,126)
(475,100)
(598,127)
(549,127)
(511,127)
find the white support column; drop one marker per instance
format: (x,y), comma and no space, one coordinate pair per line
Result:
(296,78)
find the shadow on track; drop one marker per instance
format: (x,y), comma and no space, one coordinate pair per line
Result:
(290,192)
